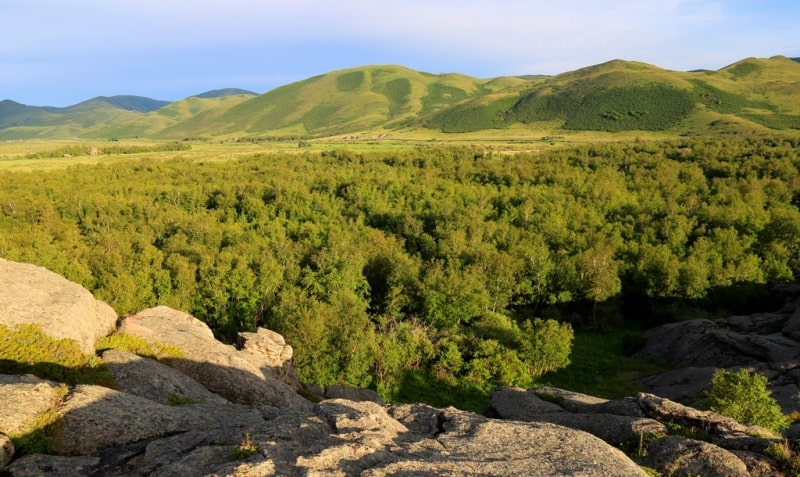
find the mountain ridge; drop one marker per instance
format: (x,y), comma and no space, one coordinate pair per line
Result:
(752,95)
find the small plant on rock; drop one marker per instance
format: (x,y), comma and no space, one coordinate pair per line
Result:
(245,449)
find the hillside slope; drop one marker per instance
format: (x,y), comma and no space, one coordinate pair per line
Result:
(752,95)
(352,100)
(623,95)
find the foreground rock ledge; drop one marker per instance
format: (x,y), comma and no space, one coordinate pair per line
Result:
(338,437)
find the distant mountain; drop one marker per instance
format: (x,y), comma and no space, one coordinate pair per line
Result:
(753,95)
(129,103)
(795,59)
(13,114)
(218,93)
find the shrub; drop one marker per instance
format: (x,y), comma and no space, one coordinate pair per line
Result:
(139,346)
(26,349)
(744,396)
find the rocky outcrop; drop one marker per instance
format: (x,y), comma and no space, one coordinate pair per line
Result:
(155,381)
(675,455)
(645,425)
(338,437)
(220,368)
(768,343)
(268,351)
(33,295)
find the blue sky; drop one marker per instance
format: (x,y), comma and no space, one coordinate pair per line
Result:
(61,52)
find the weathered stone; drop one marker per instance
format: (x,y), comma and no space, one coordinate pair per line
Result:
(758,348)
(675,455)
(155,381)
(220,368)
(682,384)
(718,427)
(761,323)
(95,417)
(474,445)
(609,427)
(352,394)
(36,465)
(6,450)
(583,403)
(421,419)
(520,404)
(268,351)
(697,343)
(64,310)
(758,465)
(792,326)
(24,397)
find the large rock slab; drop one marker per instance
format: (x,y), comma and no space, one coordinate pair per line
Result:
(155,381)
(675,455)
(63,309)
(220,368)
(520,404)
(346,438)
(611,428)
(475,445)
(697,343)
(95,418)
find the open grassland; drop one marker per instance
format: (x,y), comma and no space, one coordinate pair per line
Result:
(29,155)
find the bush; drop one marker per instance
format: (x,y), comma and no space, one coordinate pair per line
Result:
(744,396)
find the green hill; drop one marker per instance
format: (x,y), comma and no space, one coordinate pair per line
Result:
(623,96)
(352,100)
(751,95)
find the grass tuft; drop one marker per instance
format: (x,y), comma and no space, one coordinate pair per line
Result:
(138,346)
(25,349)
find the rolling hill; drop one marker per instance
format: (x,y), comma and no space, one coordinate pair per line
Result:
(754,94)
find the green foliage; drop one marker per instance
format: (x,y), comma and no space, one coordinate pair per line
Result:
(453,266)
(546,345)
(743,395)
(442,94)
(553,398)
(350,81)
(245,449)
(26,349)
(398,92)
(724,101)
(178,400)
(139,346)
(472,117)
(652,107)
(689,432)
(600,366)
(788,459)
(85,150)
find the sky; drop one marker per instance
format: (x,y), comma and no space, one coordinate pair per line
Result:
(62,52)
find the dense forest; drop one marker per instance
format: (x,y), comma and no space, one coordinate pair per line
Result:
(456,264)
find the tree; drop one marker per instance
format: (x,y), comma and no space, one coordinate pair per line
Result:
(744,396)
(546,345)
